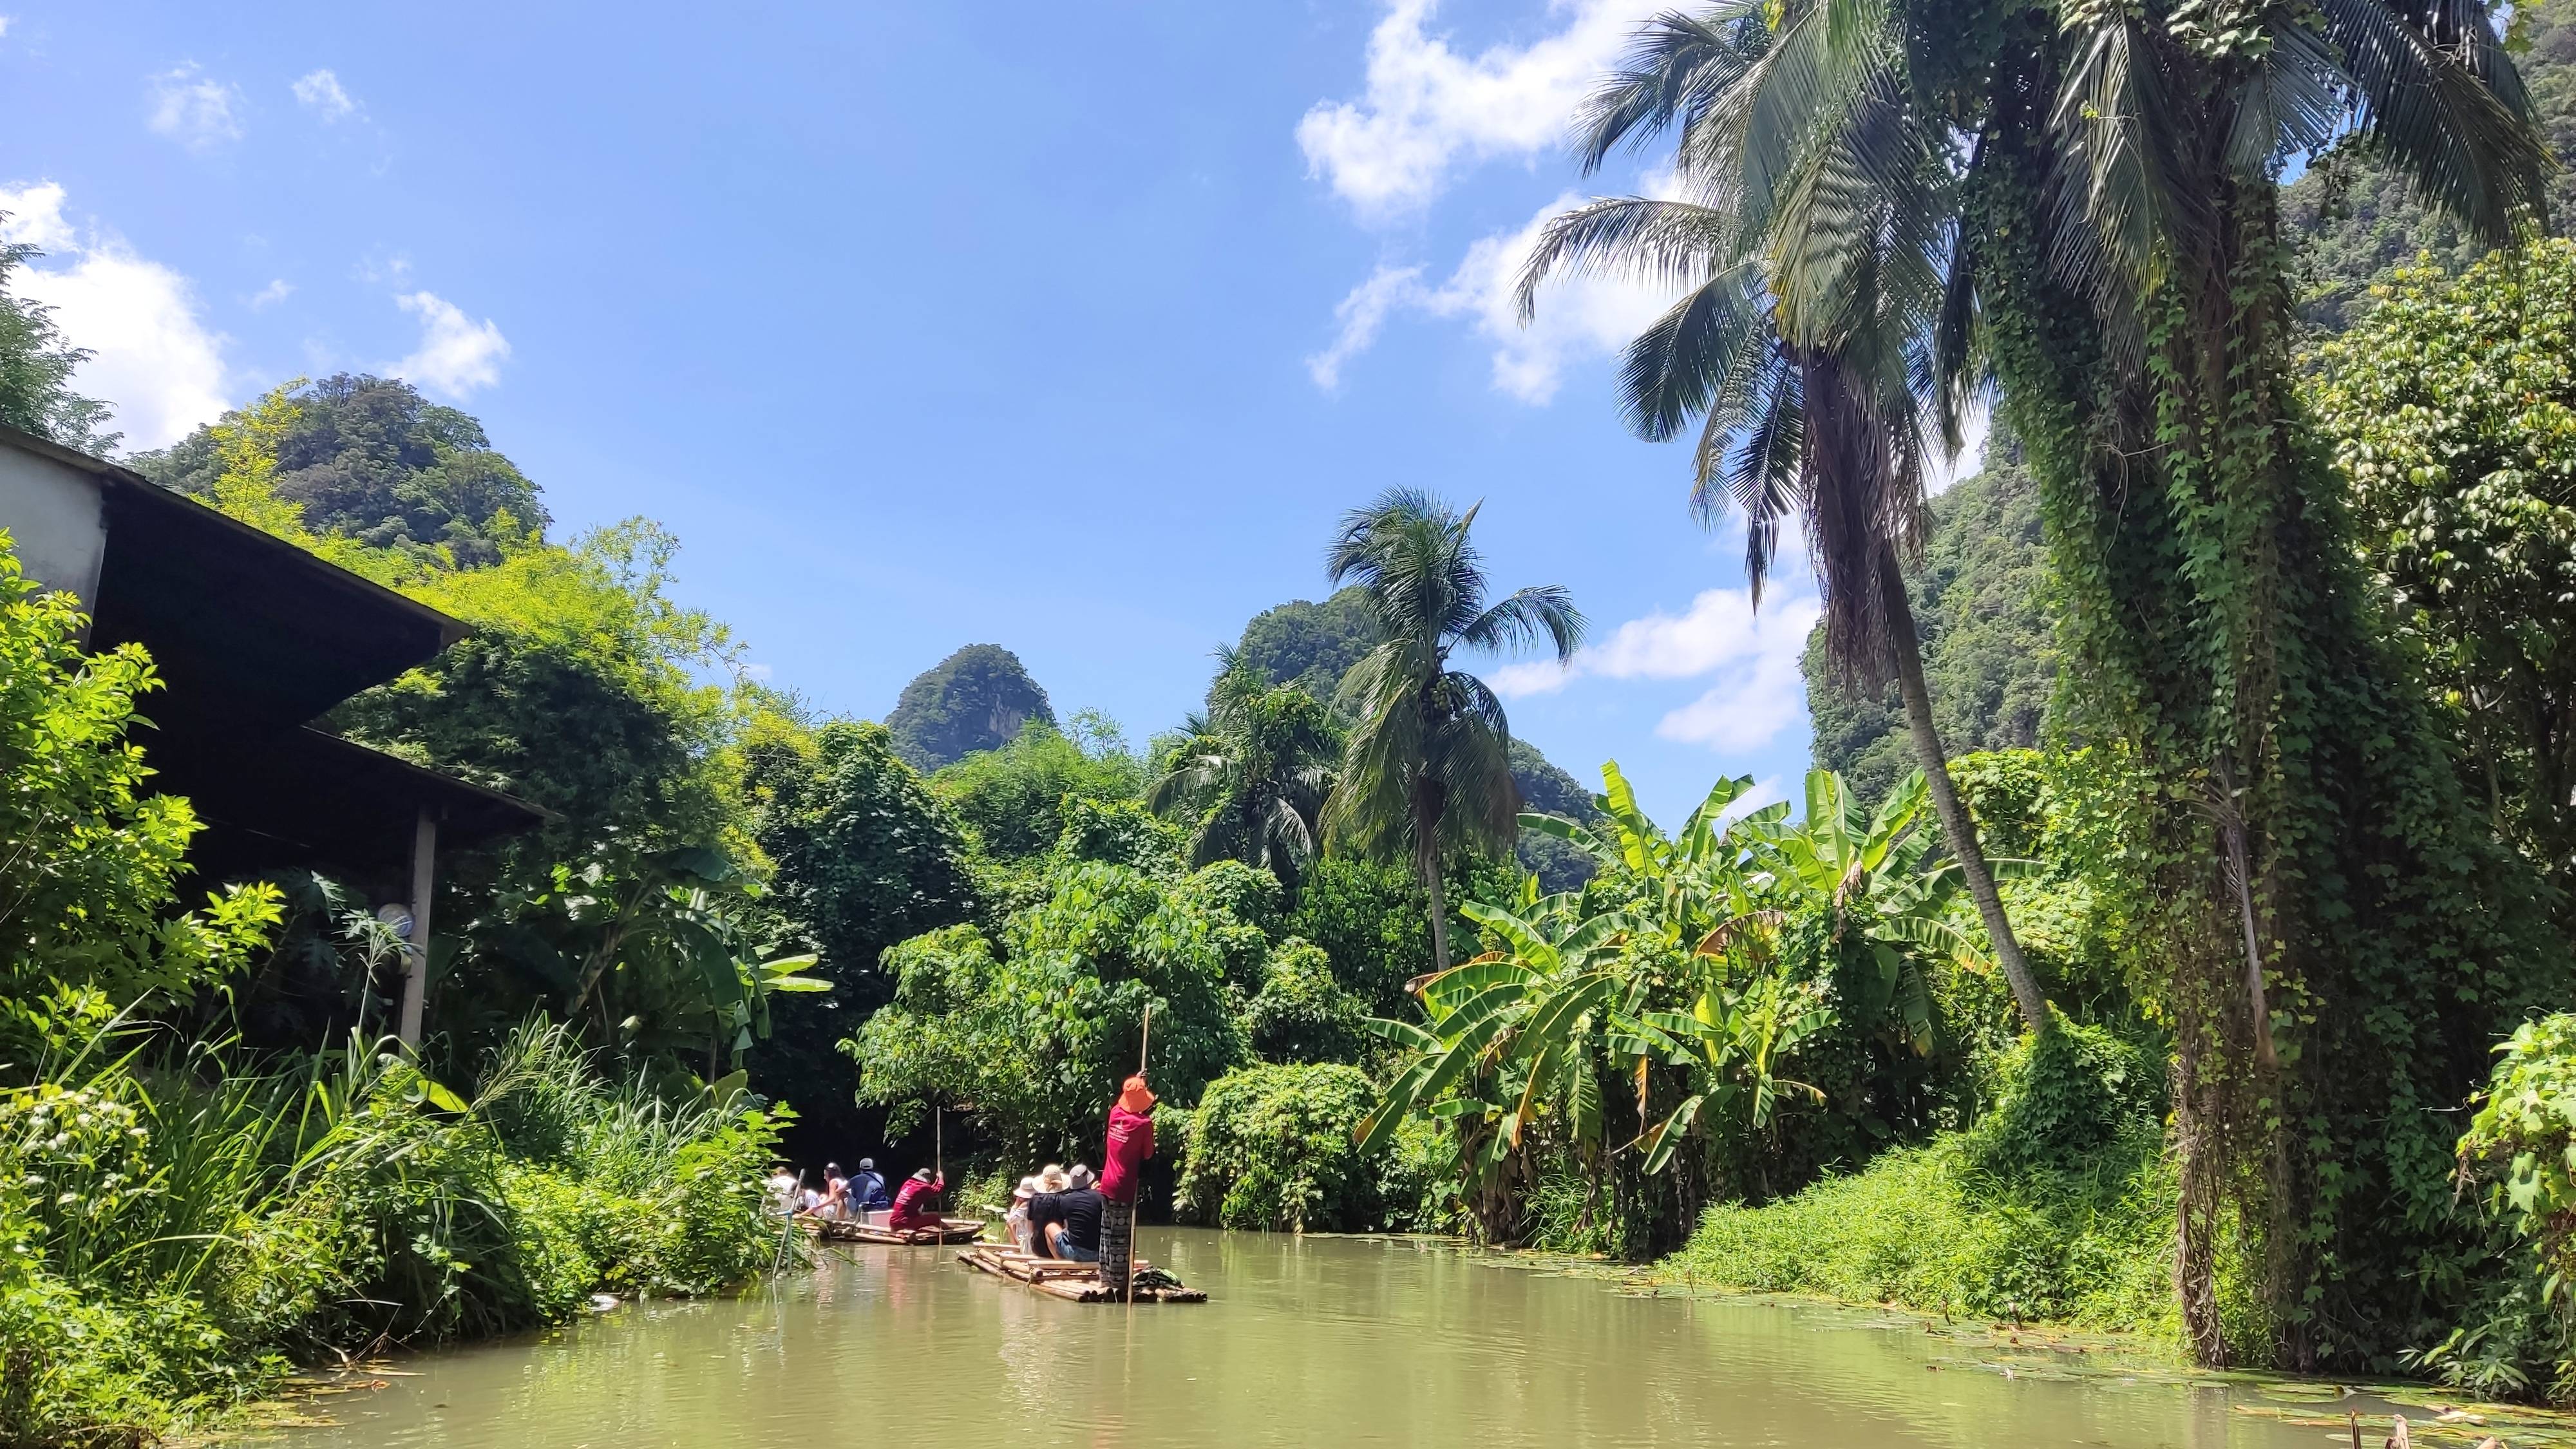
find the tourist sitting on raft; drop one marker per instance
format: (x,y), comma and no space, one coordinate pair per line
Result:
(835,1193)
(1015,1223)
(917,1204)
(782,1194)
(867,1191)
(1067,1224)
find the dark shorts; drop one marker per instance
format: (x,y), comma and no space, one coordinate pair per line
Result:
(1073,1252)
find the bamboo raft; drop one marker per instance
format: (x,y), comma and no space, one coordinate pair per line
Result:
(849,1230)
(1076,1282)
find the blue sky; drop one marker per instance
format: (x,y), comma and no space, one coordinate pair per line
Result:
(1069,328)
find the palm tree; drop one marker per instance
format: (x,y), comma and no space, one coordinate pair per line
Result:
(1814,283)
(2123,280)
(1250,775)
(1427,771)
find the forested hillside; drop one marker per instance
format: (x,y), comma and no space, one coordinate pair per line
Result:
(370,459)
(1989,651)
(2351,220)
(975,699)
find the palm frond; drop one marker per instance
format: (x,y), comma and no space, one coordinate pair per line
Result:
(2455,121)
(1525,617)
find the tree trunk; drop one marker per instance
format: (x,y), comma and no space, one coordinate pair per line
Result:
(1426,859)
(1955,824)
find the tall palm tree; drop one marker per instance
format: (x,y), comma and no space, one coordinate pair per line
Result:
(1427,770)
(1250,775)
(1814,284)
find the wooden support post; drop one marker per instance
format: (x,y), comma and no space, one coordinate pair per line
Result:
(424,876)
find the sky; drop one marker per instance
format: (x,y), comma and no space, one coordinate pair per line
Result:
(1067,328)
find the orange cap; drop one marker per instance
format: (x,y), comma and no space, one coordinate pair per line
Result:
(1135,1097)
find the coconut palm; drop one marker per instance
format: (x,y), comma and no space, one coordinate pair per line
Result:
(2124,275)
(1427,770)
(1250,775)
(1814,282)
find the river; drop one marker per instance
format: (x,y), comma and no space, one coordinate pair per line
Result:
(1312,1341)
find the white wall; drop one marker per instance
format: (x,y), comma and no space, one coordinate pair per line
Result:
(57,516)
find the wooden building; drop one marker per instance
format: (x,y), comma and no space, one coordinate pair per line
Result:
(254,639)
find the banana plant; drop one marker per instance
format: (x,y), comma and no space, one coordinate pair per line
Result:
(1522,1012)
(1879,879)
(1739,1038)
(1535,1027)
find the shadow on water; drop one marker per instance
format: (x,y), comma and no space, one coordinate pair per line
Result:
(1307,1341)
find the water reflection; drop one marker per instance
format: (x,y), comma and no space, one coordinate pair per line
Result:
(1308,1341)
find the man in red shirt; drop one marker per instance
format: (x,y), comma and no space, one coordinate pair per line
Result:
(916,1203)
(1131,1141)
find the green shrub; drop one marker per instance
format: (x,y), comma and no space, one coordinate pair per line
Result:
(1302,1014)
(1927,1228)
(2064,1095)
(2522,1145)
(95,857)
(1273,1147)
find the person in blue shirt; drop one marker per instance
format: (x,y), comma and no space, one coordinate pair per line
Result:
(867,1190)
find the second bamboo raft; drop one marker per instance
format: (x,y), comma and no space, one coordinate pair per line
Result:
(849,1230)
(1076,1282)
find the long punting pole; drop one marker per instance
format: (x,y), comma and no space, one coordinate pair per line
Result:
(1144,1049)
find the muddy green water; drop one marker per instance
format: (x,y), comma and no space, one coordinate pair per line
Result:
(1319,1341)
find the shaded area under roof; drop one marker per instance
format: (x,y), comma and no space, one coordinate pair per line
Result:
(253,637)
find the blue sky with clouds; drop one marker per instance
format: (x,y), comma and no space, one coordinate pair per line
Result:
(1070,328)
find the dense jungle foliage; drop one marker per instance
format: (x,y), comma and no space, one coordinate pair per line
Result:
(2158,1005)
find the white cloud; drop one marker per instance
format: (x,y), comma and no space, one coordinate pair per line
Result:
(278,290)
(155,359)
(35,217)
(1361,314)
(457,355)
(320,93)
(1754,656)
(5,22)
(1587,317)
(1428,107)
(194,109)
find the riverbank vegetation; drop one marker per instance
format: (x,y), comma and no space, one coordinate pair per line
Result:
(2186,861)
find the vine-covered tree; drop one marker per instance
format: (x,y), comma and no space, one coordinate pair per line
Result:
(2326,925)
(1427,772)
(975,699)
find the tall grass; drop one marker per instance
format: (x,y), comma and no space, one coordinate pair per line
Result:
(176,1232)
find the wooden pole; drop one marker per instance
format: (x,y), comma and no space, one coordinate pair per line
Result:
(1144,1051)
(424,873)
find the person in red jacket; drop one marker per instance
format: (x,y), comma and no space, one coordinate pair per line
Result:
(916,1203)
(1131,1141)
